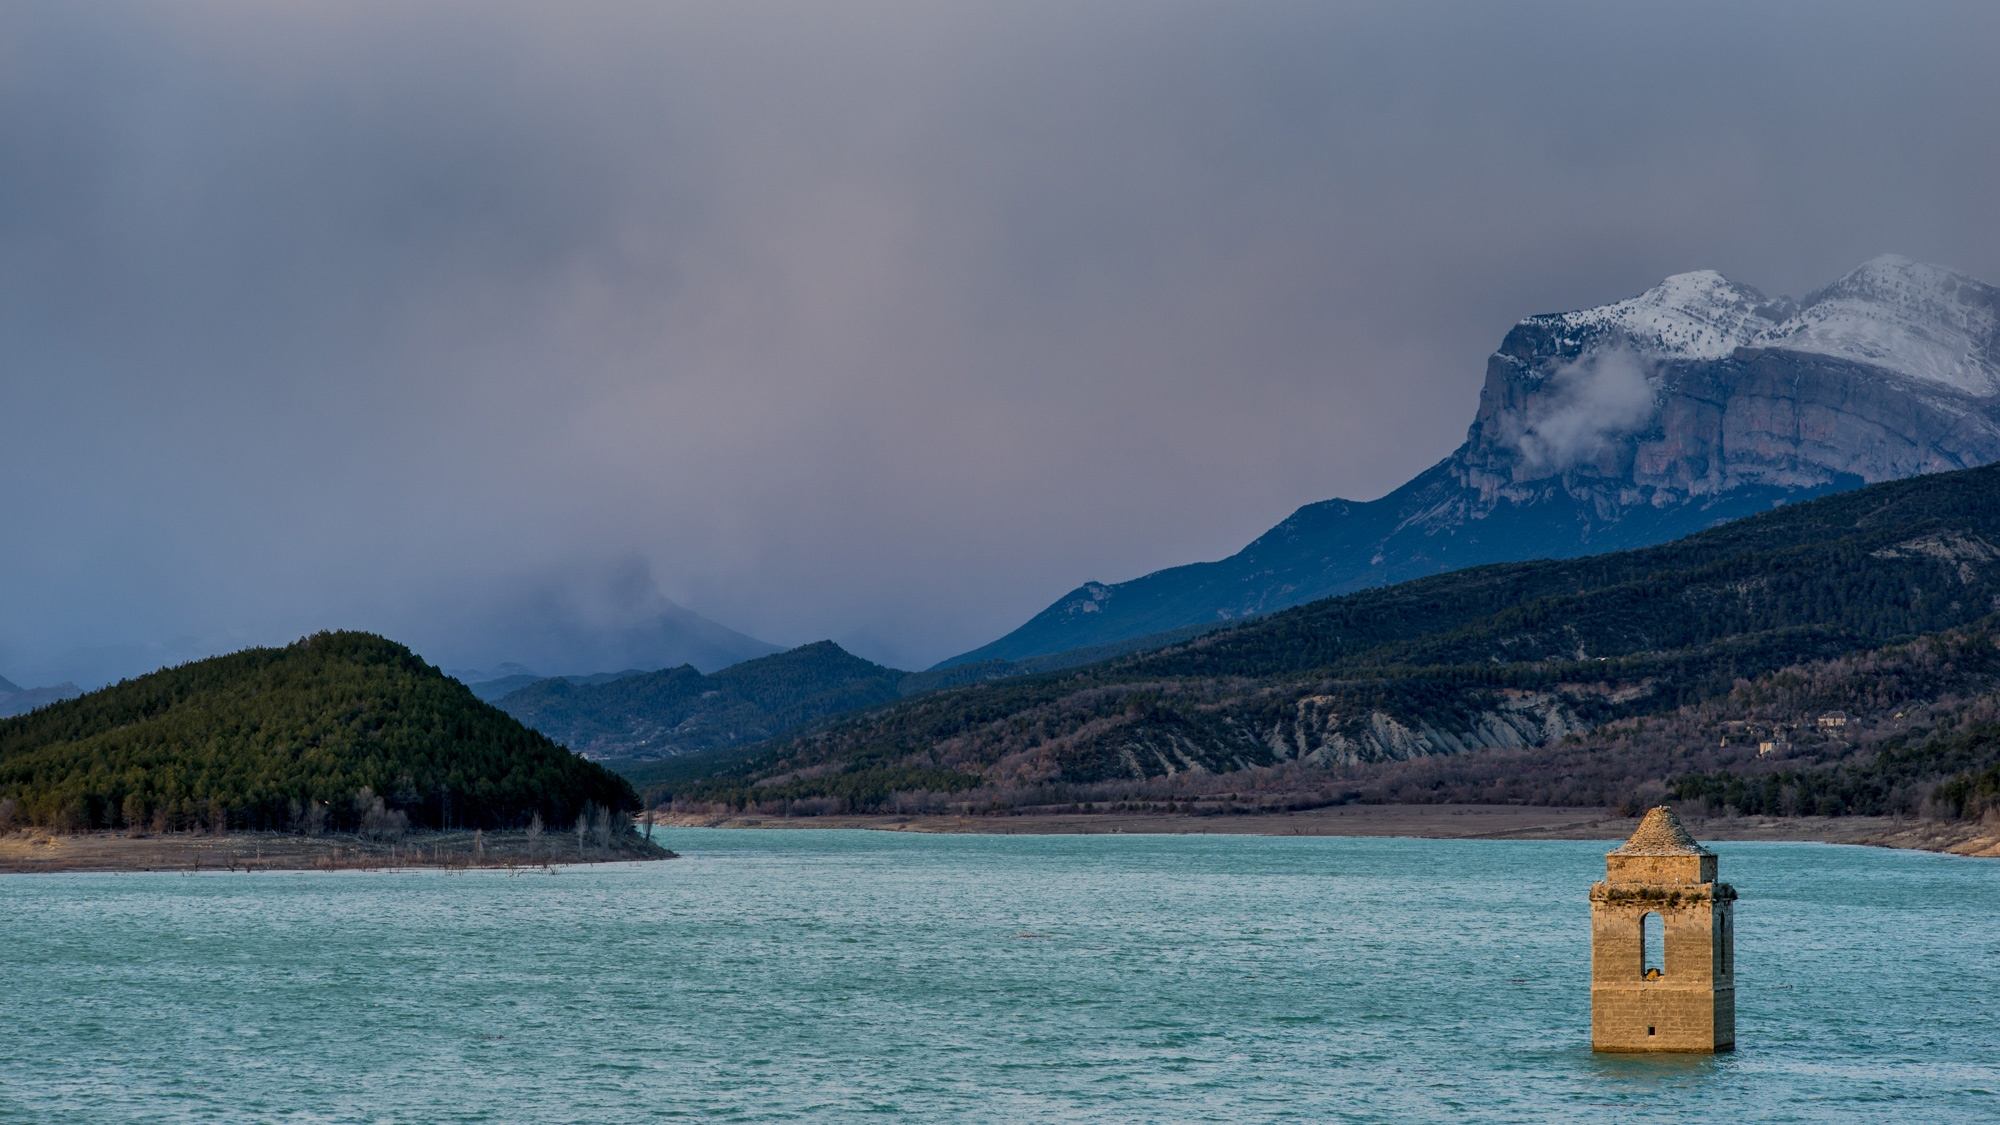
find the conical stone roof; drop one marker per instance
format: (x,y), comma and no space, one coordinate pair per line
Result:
(1660,832)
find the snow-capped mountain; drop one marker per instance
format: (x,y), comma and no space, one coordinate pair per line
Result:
(1917,320)
(1920,321)
(1632,423)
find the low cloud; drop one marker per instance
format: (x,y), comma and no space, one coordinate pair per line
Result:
(1584,407)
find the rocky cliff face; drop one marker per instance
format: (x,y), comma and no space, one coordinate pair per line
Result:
(1697,401)
(1700,387)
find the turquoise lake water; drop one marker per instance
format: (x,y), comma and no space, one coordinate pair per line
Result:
(813,975)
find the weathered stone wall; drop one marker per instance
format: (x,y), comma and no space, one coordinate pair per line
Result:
(1691,1005)
(1659,868)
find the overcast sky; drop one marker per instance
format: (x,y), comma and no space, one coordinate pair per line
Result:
(882,322)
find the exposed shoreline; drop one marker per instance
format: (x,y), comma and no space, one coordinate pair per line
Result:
(1442,822)
(25,852)
(35,851)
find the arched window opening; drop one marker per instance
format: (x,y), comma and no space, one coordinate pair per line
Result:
(1652,946)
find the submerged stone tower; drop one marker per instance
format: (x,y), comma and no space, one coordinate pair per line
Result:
(1662,945)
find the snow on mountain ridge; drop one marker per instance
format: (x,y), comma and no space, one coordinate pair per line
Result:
(1696,315)
(1921,321)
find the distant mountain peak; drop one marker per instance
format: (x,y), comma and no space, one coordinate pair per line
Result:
(1919,320)
(1699,314)
(1626,424)
(17,700)
(679,710)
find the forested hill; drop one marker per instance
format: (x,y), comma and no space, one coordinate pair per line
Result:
(1501,656)
(273,738)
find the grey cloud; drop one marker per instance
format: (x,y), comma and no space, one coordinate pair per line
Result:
(1586,404)
(881,321)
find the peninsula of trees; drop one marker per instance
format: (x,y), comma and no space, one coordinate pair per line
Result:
(338,732)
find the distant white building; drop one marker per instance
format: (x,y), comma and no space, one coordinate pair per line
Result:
(1833,720)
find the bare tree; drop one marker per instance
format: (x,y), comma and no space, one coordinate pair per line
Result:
(534,836)
(378,821)
(652,808)
(315,823)
(134,811)
(600,827)
(582,826)
(10,810)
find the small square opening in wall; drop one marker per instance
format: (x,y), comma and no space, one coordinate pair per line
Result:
(1649,1029)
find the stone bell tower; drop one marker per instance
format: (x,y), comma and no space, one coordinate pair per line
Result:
(1662,945)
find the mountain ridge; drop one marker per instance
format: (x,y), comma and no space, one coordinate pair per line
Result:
(1695,402)
(681,709)
(1509,655)
(17,700)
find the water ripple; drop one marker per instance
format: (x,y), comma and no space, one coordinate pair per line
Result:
(815,975)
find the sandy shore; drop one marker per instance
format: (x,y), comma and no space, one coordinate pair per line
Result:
(35,851)
(1445,822)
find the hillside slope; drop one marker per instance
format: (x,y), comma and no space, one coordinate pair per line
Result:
(259,738)
(1906,729)
(1501,656)
(1625,425)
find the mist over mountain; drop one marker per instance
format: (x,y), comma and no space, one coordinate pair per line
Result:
(586,623)
(1698,401)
